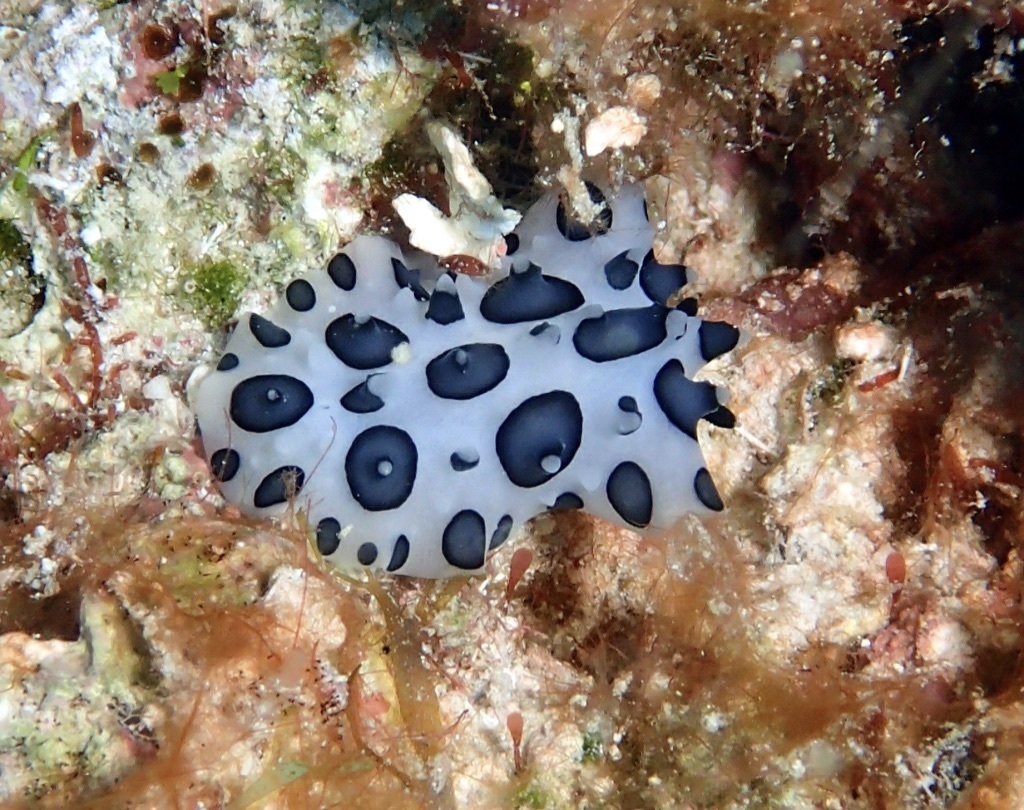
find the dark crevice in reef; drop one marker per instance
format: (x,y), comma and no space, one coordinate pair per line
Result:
(480,93)
(22,290)
(946,159)
(976,109)
(960,307)
(52,617)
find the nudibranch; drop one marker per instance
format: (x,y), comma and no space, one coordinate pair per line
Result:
(418,417)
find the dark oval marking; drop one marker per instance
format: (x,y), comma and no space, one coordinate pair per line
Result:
(367,554)
(511,243)
(661,281)
(620,272)
(381,468)
(631,418)
(464,542)
(529,295)
(717,338)
(629,493)
(467,371)
(682,400)
(342,271)
(706,491)
(721,417)
(688,306)
(300,295)
(278,486)
(363,344)
(444,308)
(548,331)
(543,429)
(327,536)
(620,333)
(228,362)
(460,463)
(576,231)
(224,464)
(568,500)
(501,532)
(400,553)
(268,333)
(361,399)
(404,277)
(269,402)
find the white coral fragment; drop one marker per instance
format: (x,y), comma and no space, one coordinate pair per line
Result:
(615,128)
(478,221)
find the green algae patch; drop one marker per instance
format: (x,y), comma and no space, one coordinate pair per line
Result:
(592,747)
(202,564)
(21,291)
(169,82)
(25,161)
(212,291)
(13,247)
(112,644)
(530,797)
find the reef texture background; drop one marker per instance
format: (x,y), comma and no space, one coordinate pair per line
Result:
(847,181)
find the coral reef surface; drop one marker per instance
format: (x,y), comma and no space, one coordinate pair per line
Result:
(844,179)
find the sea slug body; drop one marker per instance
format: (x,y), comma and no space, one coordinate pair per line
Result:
(418,417)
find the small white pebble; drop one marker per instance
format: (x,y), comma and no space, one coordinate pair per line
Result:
(402,353)
(863,341)
(158,388)
(615,128)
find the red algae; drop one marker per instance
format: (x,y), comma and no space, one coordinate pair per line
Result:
(82,141)
(158,42)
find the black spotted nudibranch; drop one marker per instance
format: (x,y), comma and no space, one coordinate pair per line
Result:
(418,417)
